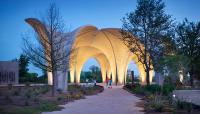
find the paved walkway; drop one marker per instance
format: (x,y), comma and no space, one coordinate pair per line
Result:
(111,101)
(188,95)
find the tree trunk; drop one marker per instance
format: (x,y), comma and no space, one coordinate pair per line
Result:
(147,76)
(54,86)
(132,78)
(65,82)
(192,75)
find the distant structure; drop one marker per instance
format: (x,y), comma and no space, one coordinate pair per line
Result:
(102,44)
(9,72)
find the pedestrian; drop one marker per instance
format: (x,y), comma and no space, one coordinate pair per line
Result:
(95,82)
(110,83)
(87,82)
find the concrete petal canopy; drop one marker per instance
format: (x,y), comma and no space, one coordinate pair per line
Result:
(102,44)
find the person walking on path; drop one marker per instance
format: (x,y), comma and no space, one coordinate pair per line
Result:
(95,82)
(110,83)
(87,82)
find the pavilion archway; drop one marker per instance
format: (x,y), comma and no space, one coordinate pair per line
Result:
(103,44)
(85,70)
(82,55)
(108,49)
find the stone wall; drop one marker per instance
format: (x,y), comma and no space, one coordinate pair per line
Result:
(9,72)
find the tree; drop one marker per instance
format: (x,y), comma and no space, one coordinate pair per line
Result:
(43,77)
(23,67)
(148,25)
(96,72)
(172,65)
(50,53)
(197,70)
(188,43)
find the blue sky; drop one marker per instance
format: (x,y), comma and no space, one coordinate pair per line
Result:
(101,13)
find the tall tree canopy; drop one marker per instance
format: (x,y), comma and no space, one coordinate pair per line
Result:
(150,26)
(50,54)
(23,67)
(188,44)
(95,70)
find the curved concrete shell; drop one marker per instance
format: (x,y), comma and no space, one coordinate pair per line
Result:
(102,44)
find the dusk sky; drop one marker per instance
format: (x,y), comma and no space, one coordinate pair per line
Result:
(76,13)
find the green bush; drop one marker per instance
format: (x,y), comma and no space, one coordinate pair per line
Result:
(139,90)
(45,89)
(28,94)
(184,106)
(47,107)
(10,86)
(27,84)
(26,103)
(157,104)
(20,110)
(150,89)
(153,88)
(59,98)
(8,98)
(16,93)
(36,99)
(167,89)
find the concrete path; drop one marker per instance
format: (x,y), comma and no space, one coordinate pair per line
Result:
(188,96)
(111,101)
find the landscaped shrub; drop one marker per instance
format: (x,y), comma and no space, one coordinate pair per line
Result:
(78,95)
(184,105)
(32,100)
(73,88)
(167,89)
(153,88)
(16,93)
(139,90)
(8,98)
(26,103)
(27,84)
(28,94)
(36,99)
(157,104)
(128,86)
(48,107)
(45,89)
(59,98)
(150,89)
(10,86)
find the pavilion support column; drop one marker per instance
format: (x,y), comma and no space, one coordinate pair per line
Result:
(116,78)
(125,75)
(75,80)
(71,76)
(103,73)
(49,78)
(109,73)
(77,74)
(103,70)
